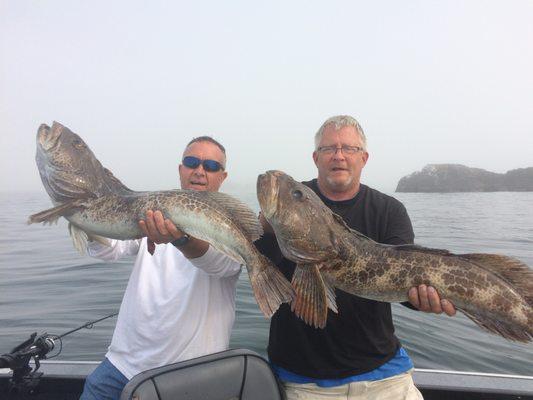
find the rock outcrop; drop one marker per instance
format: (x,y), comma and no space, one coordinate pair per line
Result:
(446,178)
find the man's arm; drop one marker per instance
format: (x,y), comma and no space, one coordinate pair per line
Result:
(424,298)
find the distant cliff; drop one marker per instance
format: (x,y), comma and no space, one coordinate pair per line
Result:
(459,178)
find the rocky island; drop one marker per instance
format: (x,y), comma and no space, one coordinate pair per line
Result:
(445,178)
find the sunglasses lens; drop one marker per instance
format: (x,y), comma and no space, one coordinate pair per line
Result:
(191,162)
(194,162)
(212,165)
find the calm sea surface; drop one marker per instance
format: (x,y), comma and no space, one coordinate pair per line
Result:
(46,286)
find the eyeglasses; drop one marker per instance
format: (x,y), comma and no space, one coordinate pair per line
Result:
(350,150)
(209,165)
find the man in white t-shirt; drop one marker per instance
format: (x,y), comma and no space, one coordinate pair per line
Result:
(180,302)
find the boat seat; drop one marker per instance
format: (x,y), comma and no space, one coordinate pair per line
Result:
(229,375)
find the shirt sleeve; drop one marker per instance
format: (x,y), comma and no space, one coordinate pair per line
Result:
(117,250)
(216,263)
(399,228)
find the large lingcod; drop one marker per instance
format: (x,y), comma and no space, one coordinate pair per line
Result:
(494,291)
(98,206)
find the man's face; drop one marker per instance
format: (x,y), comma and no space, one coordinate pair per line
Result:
(340,172)
(199,178)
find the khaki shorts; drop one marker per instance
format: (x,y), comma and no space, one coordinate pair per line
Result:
(398,387)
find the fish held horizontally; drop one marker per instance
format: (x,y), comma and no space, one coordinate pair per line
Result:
(495,291)
(98,206)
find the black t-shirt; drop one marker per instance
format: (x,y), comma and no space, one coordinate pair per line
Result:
(361,336)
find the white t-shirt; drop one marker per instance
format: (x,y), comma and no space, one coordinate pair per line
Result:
(174,309)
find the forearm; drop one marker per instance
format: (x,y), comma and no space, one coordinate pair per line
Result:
(194,248)
(216,263)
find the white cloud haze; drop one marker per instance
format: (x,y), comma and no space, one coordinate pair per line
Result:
(429,81)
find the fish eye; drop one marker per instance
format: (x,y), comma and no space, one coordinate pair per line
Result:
(297,194)
(77,143)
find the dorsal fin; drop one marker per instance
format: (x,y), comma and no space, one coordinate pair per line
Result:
(509,269)
(421,249)
(240,213)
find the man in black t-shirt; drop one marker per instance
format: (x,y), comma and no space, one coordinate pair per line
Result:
(357,355)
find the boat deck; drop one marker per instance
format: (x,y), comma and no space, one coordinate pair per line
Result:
(63,380)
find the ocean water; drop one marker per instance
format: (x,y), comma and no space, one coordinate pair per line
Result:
(46,286)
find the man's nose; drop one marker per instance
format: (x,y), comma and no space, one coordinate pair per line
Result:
(338,155)
(200,170)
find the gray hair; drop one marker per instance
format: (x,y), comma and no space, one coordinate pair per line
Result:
(340,121)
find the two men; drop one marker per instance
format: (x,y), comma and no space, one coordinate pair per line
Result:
(180,302)
(357,355)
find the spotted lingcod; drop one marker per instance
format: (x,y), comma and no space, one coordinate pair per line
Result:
(494,291)
(99,206)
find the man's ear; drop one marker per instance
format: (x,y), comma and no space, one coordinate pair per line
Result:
(315,157)
(365,157)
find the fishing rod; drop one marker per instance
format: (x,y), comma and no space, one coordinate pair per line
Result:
(25,379)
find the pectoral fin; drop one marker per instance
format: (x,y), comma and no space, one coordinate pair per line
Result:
(80,238)
(53,214)
(100,239)
(314,295)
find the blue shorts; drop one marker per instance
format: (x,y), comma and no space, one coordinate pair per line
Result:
(104,383)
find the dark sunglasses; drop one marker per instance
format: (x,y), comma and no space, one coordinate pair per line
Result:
(209,165)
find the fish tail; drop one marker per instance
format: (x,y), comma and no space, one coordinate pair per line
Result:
(514,272)
(519,277)
(507,329)
(270,287)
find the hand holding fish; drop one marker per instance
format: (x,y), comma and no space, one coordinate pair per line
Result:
(159,230)
(427,299)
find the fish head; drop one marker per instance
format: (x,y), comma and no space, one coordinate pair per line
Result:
(67,166)
(302,223)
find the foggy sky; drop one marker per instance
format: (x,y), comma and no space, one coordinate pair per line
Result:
(429,81)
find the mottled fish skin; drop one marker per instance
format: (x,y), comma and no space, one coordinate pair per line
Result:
(98,205)
(495,291)
(387,274)
(201,215)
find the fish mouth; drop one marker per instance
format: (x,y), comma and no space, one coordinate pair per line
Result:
(47,137)
(267,192)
